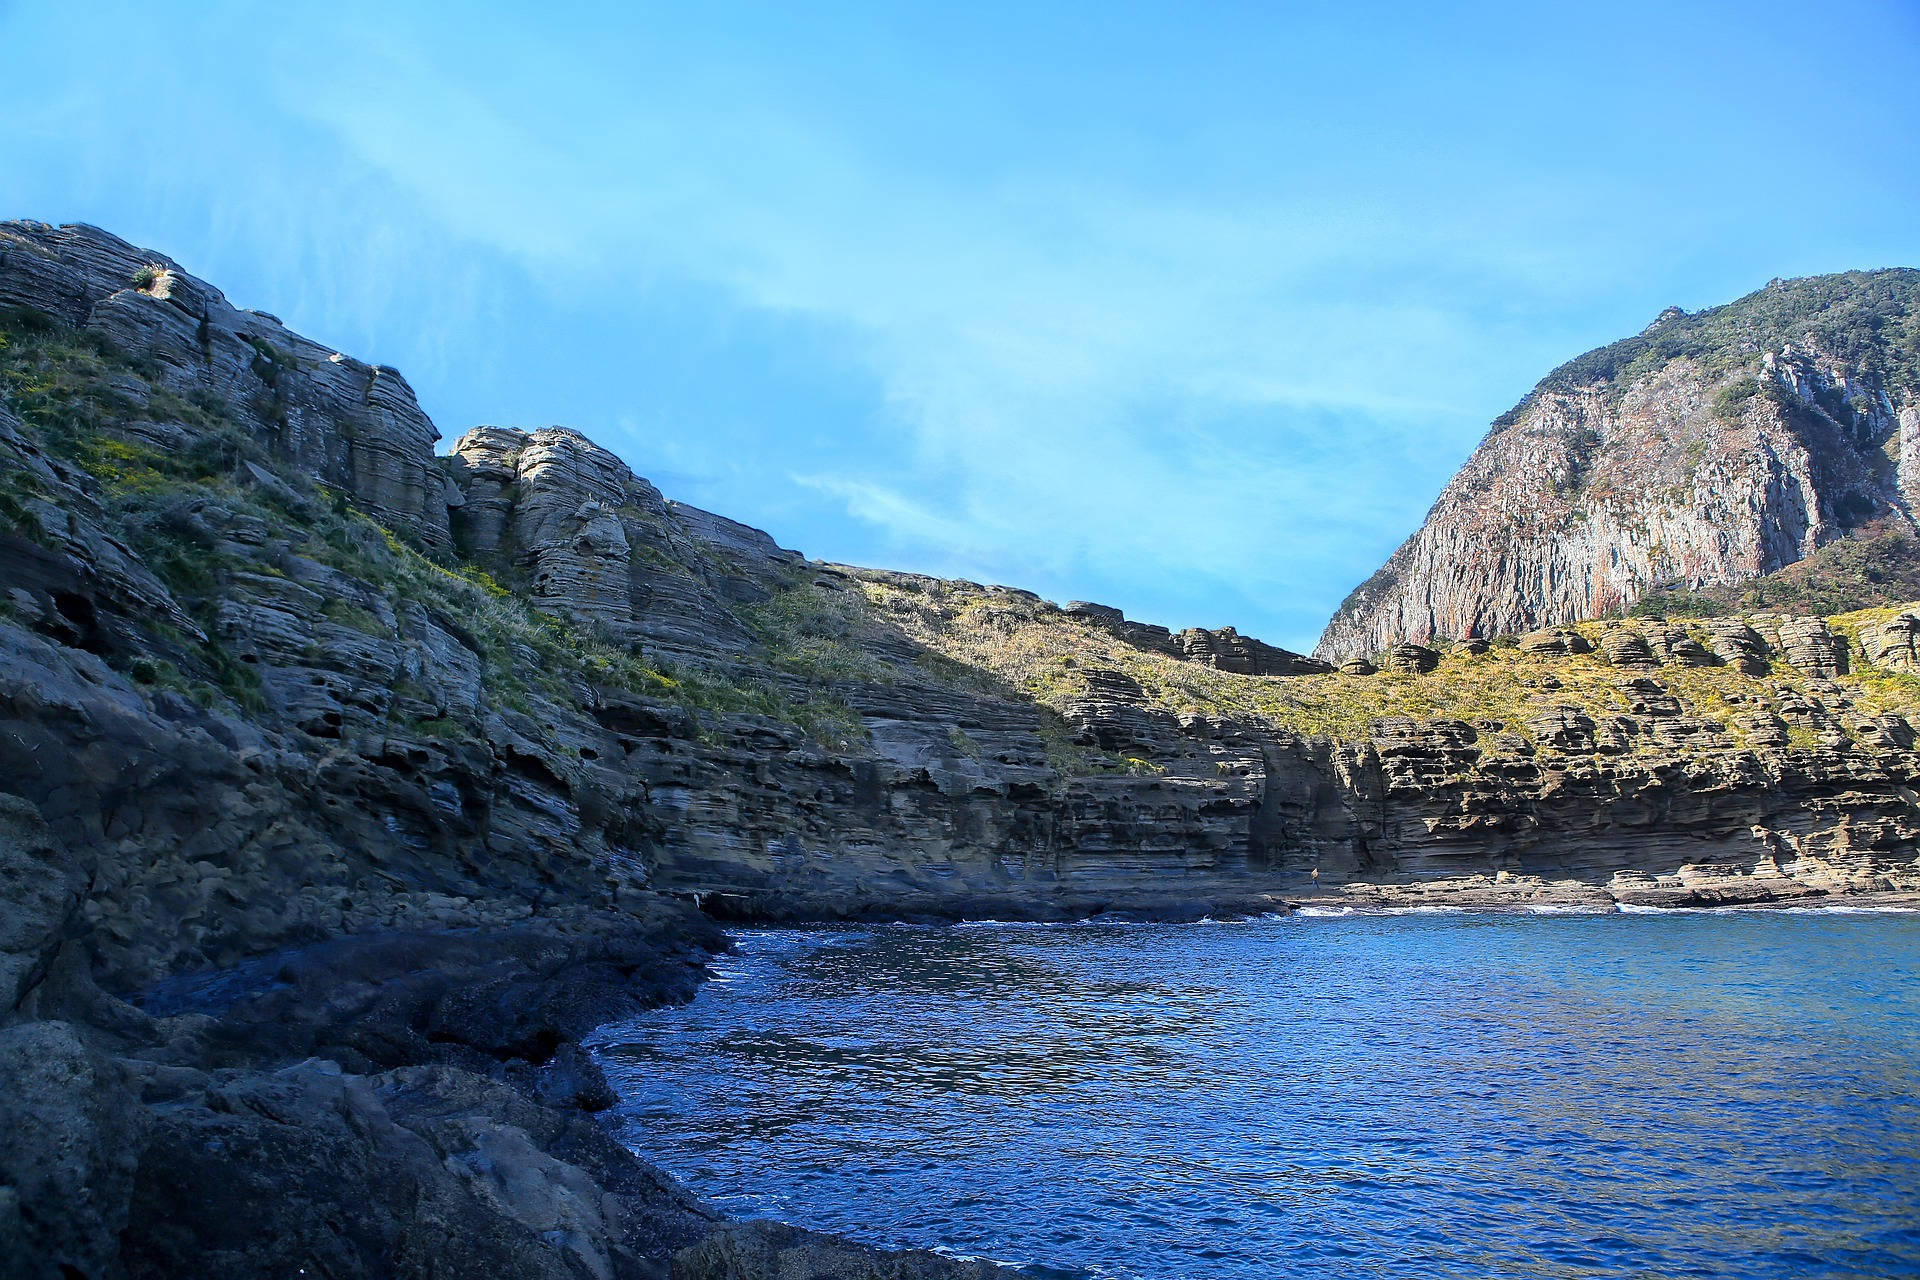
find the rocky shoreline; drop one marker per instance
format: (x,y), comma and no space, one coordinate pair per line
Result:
(345,787)
(379,1104)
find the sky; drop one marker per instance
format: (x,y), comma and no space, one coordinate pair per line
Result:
(1190,309)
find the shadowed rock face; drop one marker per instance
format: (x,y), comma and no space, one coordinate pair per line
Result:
(348,786)
(1709,451)
(410,750)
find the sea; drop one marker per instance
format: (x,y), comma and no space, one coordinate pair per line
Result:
(1418,1094)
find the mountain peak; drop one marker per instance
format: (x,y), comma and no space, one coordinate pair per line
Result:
(1710,449)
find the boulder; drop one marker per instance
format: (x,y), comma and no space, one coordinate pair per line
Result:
(1808,644)
(1678,648)
(1738,646)
(1893,644)
(70,1134)
(1624,647)
(1411,659)
(1555,642)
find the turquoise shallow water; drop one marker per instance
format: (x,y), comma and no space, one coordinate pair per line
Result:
(1415,1095)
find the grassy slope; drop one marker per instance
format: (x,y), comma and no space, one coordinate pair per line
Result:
(1039,650)
(78,396)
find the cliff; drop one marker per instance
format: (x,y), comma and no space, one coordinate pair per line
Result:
(347,785)
(1710,450)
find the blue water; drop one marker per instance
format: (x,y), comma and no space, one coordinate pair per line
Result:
(1425,1095)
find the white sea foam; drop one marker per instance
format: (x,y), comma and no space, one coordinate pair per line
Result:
(1016,924)
(1565,909)
(1763,908)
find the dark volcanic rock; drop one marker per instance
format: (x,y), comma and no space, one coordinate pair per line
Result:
(777,1252)
(320,854)
(426,1171)
(70,1129)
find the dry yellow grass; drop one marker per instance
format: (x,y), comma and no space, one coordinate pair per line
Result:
(1003,639)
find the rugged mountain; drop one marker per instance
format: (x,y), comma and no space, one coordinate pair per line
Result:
(346,786)
(1707,451)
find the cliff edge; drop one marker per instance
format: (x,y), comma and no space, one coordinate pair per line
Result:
(1707,451)
(344,786)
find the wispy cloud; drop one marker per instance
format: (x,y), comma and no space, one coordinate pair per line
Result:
(1088,380)
(1204,348)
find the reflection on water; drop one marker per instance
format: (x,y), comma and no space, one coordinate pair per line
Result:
(1711,1095)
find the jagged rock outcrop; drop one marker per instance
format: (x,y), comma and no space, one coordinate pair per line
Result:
(1223,648)
(598,545)
(1895,643)
(340,805)
(1228,650)
(351,425)
(1710,450)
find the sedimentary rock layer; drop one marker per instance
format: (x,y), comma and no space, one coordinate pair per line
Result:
(346,785)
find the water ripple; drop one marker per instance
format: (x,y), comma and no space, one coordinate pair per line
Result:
(1424,1096)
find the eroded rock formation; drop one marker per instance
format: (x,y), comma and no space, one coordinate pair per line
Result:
(346,787)
(1710,450)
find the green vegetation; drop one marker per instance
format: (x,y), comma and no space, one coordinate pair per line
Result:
(819,634)
(1867,318)
(81,400)
(1730,402)
(1877,565)
(1044,654)
(187,498)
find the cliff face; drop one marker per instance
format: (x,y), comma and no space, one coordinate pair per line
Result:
(1708,451)
(346,786)
(283,674)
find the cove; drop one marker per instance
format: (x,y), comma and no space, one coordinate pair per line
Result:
(1422,1095)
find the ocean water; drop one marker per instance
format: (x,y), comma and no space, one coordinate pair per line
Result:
(1674,1094)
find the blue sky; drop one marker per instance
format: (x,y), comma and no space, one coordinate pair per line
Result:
(1190,309)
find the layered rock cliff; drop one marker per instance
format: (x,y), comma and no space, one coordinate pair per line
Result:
(1707,451)
(347,785)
